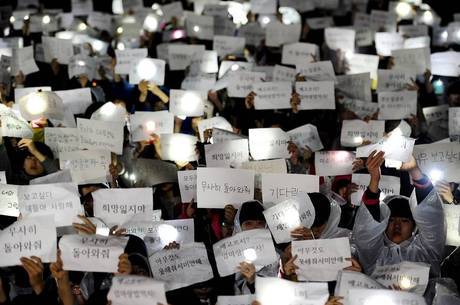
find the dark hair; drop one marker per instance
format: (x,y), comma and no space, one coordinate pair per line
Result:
(322,207)
(399,207)
(251,210)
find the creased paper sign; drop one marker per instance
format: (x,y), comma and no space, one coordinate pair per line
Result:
(321,259)
(221,135)
(227,154)
(268,143)
(64,138)
(76,100)
(277,33)
(61,49)
(173,9)
(41,104)
(100,135)
(15,127)
(127,58)
(180,55)
(347,280)
(277,166)
(201,27)
(410,276)
(199,82)
(393,80)
(334,162)
(33,236)
(306,136)
(443,157)
(60,199)
(387,296)
(397,148)
(86,166)
(388,185)
(144,123)
(283,74)
(273,291)
(232,66)
(62,176)
(339,38)
(317,71)
(397,105)
(385,43)
(445,63)
(417,42)
(272,95)
(178,147)
(255,246)
(149,69)
(187,102)
(355,132)
(110,112)
(82,65)
(204,62)
(9,200)
(116,206)
(362,63)
(217,187)
(150,172)
(187,185)
(241,83)
(316,95)
(91,253)
(214,122)
(437,113)
(23,60)
(245,299)
(136,290)
(280,187)
(417,60)
(182,267)
(452,216)
(361,108)
(158,234)
(289,215)
(355,86)
(454,123)
(299,53)
(228,45)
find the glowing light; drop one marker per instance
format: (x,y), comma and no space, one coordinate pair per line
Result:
(291,218)
(12,19)
(234,67)
(97,45)
(358,140)
(196,28)
(436,175)
(120,46)
(46,19)
(403,9)
(132,177)
(120,30)
(444,35)
(26,17)
(348,55)
(36,104)
(238,11)
(289,15)
(167,233)
(82,27)
(250,255)
(151,23)
(80,63)
(427,17)
(146,69)
(457,34)
(265,20)
(191,101)
(405,283)
(155,6)
(150,126)
(341,156)
(65,35)
(103,231)
(183,117)
(177,34)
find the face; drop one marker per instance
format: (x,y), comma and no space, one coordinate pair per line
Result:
(33,167)
(453,100)
(252,224)
(399,229)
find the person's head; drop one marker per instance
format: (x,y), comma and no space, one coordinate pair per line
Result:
(322,207)
(251,216)
(86,197)
(453,94)
(401,224)
(31,165)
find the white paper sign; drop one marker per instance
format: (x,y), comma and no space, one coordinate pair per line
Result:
(347,280)
(187,185)
(201,27)
(159,234)
(76,100)
(316,95)
(317,71)
(320,22)
(178,147)
(413,30)
(180,55)
(396,148)
(417,60)
(277,166)
(227,154)
(388,185)
(23,60)
(67,137)
(61,49)
(445,63)
(300,5)
(339,38)
(263,6)
(116,206)
(283,74)
(62,176)
(355,86)
(397,105)
(362,63)
(149,69)
(376,296)
(182,267)
(321,259)
(241,83)
(355,132)
(136,290)
(393,80)
(91,252)
(86,166)
(252,32)
(245,299)
(9,200)
(214,122)
(436,113)
(204,62)
(385,43)
(452,216)
(334,162)
(228,45)
(3,177)
(35,236)
(127,59)
(454,123)
(272,95)
(306,136)
(299,53)
(221,135)
(60,199)
(255,246)
(41,104)
(277,33)
(361,108)
(280,187)
(15,127)
(143,123)
(100,135)
(173,9)
(417,42)
(442,157)
(187,102)
(217,187)
(268,143)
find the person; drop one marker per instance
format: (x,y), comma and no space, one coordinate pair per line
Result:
(393,232)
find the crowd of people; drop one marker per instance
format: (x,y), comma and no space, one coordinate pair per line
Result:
(381,229)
